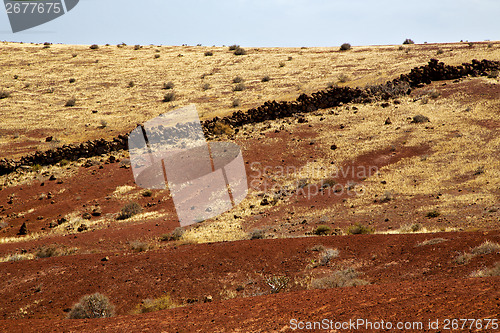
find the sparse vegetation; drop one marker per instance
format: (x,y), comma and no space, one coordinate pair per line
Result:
(129,210)
(432,214)
(92,306)
(222,128)
(486,272)
(169,97)
(408,41)
(432,241)
(139,246)
(238,79)
(359,229)
(440,51)
(419,119)
(493,74)
(257,234)
(70,102)
(168,85)
(348,277)
(156,56)
(175,235)
(72,80)
(326,255)
(345,47)
(209,54)
(147,193)
(137,47)
(233,47)
(322,230)
(236,102)
(343,78)
(240,51)
(266,78)
(282,64)
(131,84)
(485,248)
(94,47)
(205,86)
(277,283)
(162,303)
(4,94)
(239,87)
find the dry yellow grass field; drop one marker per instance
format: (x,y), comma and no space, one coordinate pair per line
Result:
(124,85)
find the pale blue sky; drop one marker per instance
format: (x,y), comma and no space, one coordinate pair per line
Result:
(267,22)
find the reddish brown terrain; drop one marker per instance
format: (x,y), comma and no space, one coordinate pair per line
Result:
(413,210)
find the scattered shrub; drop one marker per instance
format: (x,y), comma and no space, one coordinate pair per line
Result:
(493,74)
(322,230)
(401,48)
(4,94)
(137,47)
(92,306)
(282,64)
(240,51)
(359,229)
(239,87)
(434,94)
(432,214)
(205,86)
(138,246)
(169,97)
(162,303)
(131,84)
(290,58)
(104,123)
(345,47)
(236,102)
(439,51)
(257,234)
(47,251)
(277,283)
(129,210)
(209,54)
(326,255)
(432,241)
(72,80)
(485,248)
(168,85)
(175,235)
(266,78)
(419,119)
(233,47)
(238,79)
(222,128)
(156,56)
(494,271)
(348,277)
(490,45)
(147,193)
(343,78)
(94,47)
(408,41)
(328,182)
(70,102)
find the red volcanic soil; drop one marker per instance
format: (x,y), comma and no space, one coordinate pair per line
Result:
(407,282)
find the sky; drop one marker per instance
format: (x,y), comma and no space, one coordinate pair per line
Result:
(266,23)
